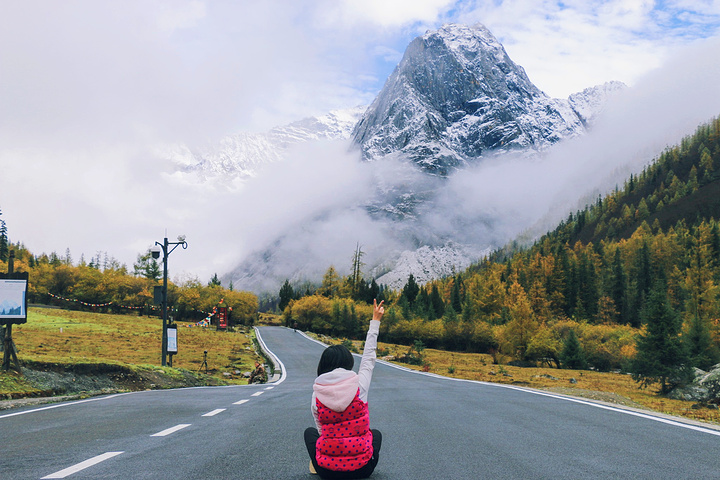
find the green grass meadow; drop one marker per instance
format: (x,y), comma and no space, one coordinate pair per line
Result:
(67,337)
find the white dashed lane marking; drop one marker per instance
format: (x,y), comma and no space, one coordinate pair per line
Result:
(241,402)
(214,412)
(82,465)
(257,394)
(168,431)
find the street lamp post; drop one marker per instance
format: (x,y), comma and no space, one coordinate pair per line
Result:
(156,254)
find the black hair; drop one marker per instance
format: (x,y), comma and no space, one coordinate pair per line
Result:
(335,356)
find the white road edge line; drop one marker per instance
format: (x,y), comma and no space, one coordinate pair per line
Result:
(58,405)
(82,465)
(214,412)
(264,347)
(257,394)
(168,431)
(648,416)
(240,402)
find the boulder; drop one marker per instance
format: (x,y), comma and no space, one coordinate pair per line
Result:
(704,389)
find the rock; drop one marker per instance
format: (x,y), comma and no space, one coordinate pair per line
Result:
(711,381)
(227,374)
(689,393)
(573,381)
(705,389)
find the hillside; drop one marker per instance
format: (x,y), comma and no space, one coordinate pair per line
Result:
(681,185)
(587,293)
(455,103)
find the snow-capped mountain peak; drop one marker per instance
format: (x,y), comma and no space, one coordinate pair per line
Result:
(456,96)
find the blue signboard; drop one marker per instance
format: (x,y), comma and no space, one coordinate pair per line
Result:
(13,300)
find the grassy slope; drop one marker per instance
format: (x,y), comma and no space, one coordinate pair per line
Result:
(64,337)
(603,386)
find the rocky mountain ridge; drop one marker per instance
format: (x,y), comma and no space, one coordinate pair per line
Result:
(456,96)
(454,100)
(243,155)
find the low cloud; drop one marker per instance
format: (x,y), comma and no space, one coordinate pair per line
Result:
(499,198)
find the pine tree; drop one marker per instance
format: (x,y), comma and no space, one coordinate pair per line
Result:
(4,244)
(618,286)
(411,289)
(573,355)
(374,292)
(661,356)
(587,286)
(214,281)
(436,301)
(146,266)
(455,297)
(698,341)
(286,294)
(421,305)
(404,305)
(642,282)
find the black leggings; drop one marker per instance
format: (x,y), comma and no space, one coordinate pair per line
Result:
(311,437)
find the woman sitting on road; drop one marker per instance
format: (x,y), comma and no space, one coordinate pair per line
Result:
(342,444)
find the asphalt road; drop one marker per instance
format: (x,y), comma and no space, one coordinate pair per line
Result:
(433,428)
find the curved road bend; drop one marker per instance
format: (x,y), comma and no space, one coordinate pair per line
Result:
(433,428)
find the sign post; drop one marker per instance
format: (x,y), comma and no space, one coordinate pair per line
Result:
(13,310)
(172,341)
(166,250)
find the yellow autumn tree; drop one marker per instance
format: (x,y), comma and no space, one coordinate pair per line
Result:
(522,326)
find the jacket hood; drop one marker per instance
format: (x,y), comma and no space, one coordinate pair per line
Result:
(336,389)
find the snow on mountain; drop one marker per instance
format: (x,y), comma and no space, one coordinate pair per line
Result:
(243,155)
(428,263)
(455,99)
(456,96)
(589,103)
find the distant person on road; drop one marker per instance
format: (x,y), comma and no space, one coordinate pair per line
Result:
(341,445)
(258,375)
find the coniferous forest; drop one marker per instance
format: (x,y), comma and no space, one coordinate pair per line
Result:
(629,282)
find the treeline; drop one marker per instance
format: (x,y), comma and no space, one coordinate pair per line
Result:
(106,285)
(340,306)
(629,281)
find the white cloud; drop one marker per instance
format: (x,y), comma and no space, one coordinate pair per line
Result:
(384,13)
(568,46)
(89,89)
(178,15)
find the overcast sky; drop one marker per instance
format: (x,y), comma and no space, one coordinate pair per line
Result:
(89,88)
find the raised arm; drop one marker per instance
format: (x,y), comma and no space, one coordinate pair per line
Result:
(367,364)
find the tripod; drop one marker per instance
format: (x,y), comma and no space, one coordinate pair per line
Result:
(204,363)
